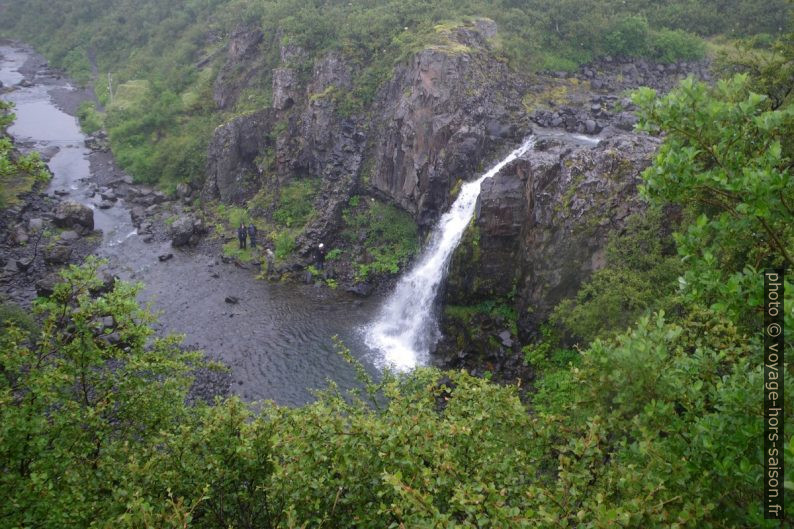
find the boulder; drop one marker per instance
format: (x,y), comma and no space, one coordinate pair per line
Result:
(360,289)
(69,236)
(182,231)
(71,214)
(57,254)
(98,142)
(137,214)
(20,235)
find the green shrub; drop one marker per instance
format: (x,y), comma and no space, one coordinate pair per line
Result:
(12,314)
(726,156)
(18,173)
(284,245)
(391,236)
(641,275)
(296,203)
(90,119)
(668,45)
(629,37)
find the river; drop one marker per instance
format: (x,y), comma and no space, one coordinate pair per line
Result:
(277,341)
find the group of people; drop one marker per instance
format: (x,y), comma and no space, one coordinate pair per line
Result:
(244,233)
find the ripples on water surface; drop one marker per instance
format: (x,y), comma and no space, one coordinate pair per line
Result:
(277,339)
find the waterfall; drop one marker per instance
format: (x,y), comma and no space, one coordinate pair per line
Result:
(406,326)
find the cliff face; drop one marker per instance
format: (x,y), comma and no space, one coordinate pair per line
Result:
(232,173)
(442,113)
(439,117)
(540,230)
(541,225)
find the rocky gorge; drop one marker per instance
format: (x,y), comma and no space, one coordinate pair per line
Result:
(445,113)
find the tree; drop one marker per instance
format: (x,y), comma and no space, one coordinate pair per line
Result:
(91,393)
(727,157)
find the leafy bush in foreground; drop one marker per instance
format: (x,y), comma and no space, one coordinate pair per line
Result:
(662,430)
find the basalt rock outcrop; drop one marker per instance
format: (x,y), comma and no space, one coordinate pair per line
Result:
(540,229)
(444,112)
(240,67)
(232,172)
(71,214)
(442,116)
(430,126)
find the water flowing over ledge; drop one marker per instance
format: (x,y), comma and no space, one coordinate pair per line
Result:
(406,327)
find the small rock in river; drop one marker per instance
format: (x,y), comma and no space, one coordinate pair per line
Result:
(231,300)
(165,257)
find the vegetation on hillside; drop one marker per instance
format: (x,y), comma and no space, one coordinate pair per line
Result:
(162,57)
(153,64)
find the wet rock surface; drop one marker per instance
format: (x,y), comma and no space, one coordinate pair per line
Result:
(232,174)
(445,113)
(540,230)
(71,214)
(440,117)
(594,98)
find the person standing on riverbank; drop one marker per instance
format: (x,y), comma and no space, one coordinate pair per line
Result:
(252,234)
(321,256)
(241,235)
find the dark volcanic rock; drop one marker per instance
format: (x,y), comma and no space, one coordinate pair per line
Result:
(232,174)
(240,65)
(439,116)
(577,200)
(542,225)
(285,88)
(46,285)
(183,231)
(57,254)
(361,289)
(137,214)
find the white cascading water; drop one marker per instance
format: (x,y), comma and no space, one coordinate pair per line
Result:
(406,327)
